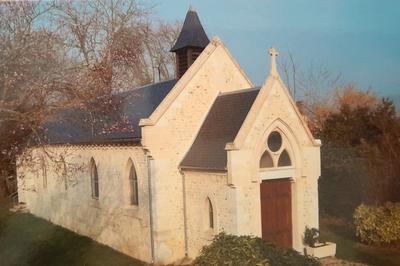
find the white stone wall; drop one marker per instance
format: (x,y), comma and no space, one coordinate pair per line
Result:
(168,135)
(167,138)
(273,110)
(171,135)
(198,187)
(111,219)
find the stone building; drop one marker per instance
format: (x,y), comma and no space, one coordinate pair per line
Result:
(203,153)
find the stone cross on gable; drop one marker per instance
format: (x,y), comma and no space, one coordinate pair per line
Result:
(273,53)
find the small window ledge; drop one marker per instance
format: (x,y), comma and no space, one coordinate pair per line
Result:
(209,234)
(95,203)
(132,211)
(276,173)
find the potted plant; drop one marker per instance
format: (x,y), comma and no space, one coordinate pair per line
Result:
(316,248)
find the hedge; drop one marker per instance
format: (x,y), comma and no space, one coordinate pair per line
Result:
(378,224)
(228,249)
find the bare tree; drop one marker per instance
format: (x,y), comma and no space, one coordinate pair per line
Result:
(60,54)
(117,41)
(314,89)
(30,65)
(289,70)
(158,42)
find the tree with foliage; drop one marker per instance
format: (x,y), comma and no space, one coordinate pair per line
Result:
(359,156)
(360,139)
(382,156)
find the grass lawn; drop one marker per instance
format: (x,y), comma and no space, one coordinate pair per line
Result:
(348,248)
(27,240)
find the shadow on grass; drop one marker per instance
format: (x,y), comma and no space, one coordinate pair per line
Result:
(27,240)
(348,247)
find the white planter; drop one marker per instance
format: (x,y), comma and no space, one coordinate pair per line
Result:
(322,251)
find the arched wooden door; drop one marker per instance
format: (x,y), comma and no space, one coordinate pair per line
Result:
(276,211)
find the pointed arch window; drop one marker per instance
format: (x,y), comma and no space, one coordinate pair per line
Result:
(64,172)
(266,160)
(210,214)
(44,171)
(284,159)
(276,152)
(133,185)
(94,179)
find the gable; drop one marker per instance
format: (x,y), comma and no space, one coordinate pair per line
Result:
(215,68)
(273,102)
(219,128)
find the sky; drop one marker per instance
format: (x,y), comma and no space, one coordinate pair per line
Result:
(357,39)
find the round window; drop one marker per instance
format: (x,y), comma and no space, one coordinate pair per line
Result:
(274,141)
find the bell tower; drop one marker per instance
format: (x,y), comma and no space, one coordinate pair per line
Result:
(191,42)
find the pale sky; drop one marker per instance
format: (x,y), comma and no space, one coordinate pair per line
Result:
(358,38)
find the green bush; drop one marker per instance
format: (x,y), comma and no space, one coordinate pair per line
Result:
(378,224)
(246,250)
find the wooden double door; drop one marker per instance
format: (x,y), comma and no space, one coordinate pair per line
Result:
(276,211)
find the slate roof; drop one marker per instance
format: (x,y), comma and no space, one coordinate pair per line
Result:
(117,122)
(192,33)
(220,127)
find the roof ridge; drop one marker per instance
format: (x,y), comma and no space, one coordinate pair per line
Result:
(154,83)
(143,86)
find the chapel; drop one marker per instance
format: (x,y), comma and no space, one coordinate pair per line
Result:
(203,153)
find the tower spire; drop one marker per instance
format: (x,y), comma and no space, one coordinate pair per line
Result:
(190,43)
(273,54)
(192,33)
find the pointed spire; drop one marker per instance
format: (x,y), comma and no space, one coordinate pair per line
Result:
(192,33)
(273,54)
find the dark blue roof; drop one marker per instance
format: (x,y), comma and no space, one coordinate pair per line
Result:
(220,127)
(117,122)
(192,33)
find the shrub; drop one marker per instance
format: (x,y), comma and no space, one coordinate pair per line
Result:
(246,250)
(378,224)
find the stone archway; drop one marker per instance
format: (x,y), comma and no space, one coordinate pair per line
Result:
(276,174)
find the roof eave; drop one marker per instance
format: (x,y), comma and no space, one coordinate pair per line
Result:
(176,48)
(109,142)
(203,169)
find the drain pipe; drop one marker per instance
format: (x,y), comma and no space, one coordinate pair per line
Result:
(149,179)
(184,212)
